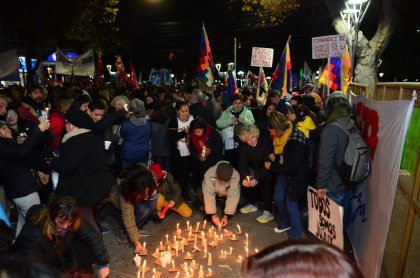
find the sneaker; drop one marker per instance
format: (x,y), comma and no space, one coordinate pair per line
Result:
(143,232)
(122,237)
(248,209)
(104,230)
(265,217)
(280,230)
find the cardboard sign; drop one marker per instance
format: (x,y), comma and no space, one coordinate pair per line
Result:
(328,46)
(262,57)
(325,219)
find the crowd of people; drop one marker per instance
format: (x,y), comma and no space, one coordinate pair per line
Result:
(71,155)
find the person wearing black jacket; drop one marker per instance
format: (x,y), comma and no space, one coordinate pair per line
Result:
(256,180)
(19,180)
(49,232)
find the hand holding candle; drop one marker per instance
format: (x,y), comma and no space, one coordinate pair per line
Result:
(164,211)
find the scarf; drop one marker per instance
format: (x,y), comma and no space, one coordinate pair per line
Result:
(337,113)
(200,141)
(236,113)
(280,142)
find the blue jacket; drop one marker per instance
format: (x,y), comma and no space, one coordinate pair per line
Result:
(136,140)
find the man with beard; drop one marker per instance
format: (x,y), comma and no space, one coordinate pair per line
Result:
(32,104)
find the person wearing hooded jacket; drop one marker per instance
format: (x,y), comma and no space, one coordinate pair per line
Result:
(135,132)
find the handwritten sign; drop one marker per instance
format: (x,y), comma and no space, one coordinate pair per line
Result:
(325,219)
(262,57)
(328,46)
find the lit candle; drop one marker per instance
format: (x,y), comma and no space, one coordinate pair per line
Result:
(138,274)
(239,229)
(176,249)
(203,151)
(201,272)
(233,237)
(167,239)
(137,260)
(179,233)
(177,274)
(126,107)
(210,272)
(197,227)
(256,250)
(205,254)
(161,245)
(246,238)
(219,227)
(231,250)
(144,246)
(209,261)
(204,243)
(246,251)
(188,225)
(195,240)
(182,246)
(173,264)
(174,239)
(221,254)
(143,269)
(204,224)
(169,249)
(177,226)
(239,258)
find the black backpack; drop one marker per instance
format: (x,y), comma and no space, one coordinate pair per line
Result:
(357,162)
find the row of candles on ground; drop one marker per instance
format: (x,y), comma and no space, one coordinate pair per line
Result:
(164,257)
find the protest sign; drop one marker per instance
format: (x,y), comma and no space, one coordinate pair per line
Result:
(325,219)
(328,46)
(262,57)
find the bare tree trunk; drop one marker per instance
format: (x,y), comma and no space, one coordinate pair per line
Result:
(368,52)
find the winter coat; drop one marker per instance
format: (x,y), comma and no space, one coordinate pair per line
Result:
(254,158)
(212,187)
(171,190)
(225,119)
(198,110)
(15,174)
(82,169)
(136,139)
(32,243)
(215,144)
(332,146)
(160,145)
(294,165)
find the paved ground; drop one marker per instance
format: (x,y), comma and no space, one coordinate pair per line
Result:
(260,236)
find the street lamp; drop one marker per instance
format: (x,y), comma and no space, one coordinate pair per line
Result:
(352,17)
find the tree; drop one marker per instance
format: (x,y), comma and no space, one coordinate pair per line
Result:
(271,12)
(369,51)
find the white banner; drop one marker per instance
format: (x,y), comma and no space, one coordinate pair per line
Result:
(8,63)
(328,46)
(325,219)
(262,57)
(383,125)
(83,65)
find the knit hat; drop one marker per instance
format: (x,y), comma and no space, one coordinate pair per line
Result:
(224,171)
(79,119)
(157,170)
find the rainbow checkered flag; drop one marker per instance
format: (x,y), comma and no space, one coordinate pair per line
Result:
(282,76)
(340,73)
(206,66)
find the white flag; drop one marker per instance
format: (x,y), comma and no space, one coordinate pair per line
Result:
(83,65)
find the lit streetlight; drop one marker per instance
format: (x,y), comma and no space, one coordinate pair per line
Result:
(352,17)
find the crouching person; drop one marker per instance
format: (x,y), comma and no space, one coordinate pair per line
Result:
(49,232)
(169,193)
(221,180)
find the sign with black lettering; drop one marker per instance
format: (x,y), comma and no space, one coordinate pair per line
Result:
(262,57)
(328,46)
(325,219)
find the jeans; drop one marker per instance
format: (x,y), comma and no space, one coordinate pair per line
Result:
(343,199)
(143,211)
(289,214)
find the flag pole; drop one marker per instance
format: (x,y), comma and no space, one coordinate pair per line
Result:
(328,77)
(284,49)
(259,82)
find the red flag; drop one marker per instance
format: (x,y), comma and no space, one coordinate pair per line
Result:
(99,68)
(133,79)
(121,70)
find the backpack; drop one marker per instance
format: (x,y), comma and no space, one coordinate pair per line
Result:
(357,162)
